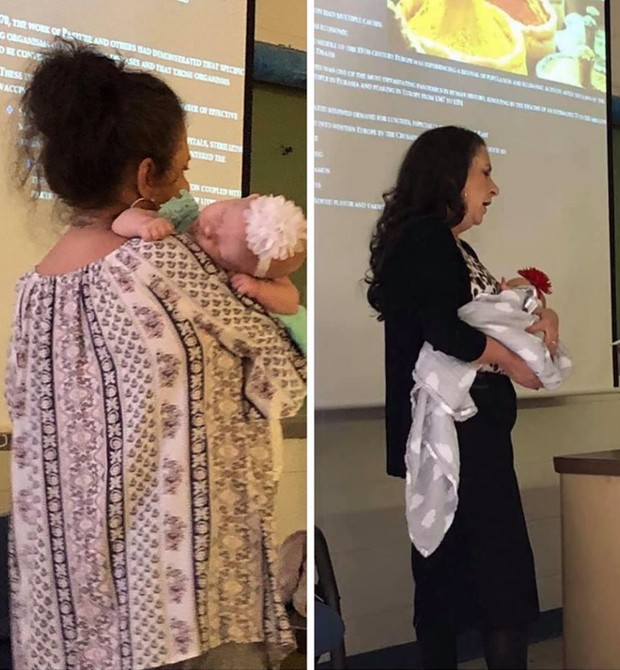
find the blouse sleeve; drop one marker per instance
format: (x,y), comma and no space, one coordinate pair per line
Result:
(274,368)
(424,275)
(15,391)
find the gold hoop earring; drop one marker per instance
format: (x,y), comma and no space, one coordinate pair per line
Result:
(135,203)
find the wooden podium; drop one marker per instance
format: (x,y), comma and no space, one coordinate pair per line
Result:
(590,491)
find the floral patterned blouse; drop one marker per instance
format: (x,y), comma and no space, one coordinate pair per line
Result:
(482,281)
(141,390)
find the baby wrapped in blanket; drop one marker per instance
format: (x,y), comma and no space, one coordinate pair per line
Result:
(258,240)
(440,396)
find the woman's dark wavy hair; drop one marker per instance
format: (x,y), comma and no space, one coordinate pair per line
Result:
(430,183)
(86,119)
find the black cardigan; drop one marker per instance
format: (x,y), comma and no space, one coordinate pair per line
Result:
(425,281)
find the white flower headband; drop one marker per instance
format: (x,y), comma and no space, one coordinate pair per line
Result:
(276,230)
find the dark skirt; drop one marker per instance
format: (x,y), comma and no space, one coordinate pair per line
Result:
(482,575)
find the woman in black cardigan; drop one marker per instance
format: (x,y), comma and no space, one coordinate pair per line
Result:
(482,575)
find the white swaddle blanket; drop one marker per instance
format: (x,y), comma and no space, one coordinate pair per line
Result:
(440,397)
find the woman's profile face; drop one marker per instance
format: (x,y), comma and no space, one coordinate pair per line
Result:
(174,180)
(479,190)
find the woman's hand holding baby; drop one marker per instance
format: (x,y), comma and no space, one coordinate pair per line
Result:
(521,373)
(549,324)
(548,320)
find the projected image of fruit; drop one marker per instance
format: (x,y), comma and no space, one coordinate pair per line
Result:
(558,40)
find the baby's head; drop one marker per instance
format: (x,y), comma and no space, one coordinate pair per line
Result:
(264,236)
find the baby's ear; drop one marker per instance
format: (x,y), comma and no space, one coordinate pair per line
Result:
(253,196)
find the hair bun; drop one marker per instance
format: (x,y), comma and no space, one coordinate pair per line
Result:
(67,66)
(85,121)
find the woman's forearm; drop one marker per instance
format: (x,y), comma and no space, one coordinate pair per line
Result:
(510,363)
(497,353)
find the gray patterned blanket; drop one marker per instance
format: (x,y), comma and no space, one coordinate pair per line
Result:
(440,396)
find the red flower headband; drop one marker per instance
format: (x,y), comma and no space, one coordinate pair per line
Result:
(538,279)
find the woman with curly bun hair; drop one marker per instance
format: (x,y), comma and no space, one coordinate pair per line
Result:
(421,271)
(140,389)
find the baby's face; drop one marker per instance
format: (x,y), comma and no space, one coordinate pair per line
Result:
(221,232)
